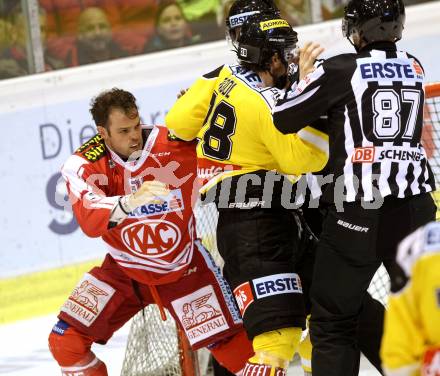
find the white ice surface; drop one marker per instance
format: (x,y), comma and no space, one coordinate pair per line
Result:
(24,352)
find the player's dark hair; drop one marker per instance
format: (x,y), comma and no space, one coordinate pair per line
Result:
(101,106)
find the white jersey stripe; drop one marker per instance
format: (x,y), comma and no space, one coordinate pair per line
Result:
(314,139)
(401,181)
(348,168)
(367,181)
(299,99)
(385,171)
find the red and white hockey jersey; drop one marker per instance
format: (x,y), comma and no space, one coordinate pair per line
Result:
(155,243)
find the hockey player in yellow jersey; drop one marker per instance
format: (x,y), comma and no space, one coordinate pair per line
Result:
(232,106)
(244,162)
(411,341)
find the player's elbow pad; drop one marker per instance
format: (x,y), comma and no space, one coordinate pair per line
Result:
(177,127)
(91,232)
(319,161)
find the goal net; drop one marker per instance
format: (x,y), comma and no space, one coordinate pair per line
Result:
(431,142)
(154,346)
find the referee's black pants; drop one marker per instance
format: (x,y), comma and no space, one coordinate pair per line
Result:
(352,246)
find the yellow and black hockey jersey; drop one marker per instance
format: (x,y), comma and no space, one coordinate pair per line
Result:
(412,322)
(230,112)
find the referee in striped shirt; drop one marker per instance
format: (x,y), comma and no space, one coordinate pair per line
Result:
(373,104)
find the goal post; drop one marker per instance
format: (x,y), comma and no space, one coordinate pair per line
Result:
(156,348)
(432,90)
(431,134)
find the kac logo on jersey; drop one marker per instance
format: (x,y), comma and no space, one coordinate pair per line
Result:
(286,283)
(151,238)
(171,203)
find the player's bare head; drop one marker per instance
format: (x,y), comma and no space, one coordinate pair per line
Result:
(116,116)
(102,105)
(263,40)
(240,10)
(368,21)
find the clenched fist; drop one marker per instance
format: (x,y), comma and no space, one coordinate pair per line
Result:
(150,192)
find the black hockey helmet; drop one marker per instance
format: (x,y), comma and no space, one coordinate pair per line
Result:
(261,36)
(374,20)
(242,9)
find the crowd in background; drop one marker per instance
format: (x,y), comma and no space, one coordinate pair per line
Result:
(78,32)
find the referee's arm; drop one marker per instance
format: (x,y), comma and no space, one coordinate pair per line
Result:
(298,153)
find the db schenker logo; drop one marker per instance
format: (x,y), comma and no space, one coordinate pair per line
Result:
(151,238)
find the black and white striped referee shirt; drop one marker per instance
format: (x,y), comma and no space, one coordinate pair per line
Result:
(373,102)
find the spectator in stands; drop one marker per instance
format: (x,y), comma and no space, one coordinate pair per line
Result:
(9,68)
(13,59)
(94,41)
(195,10)
(5,32)
(132,21)
(297,12)
(136,25)
(202,15)
(172,28)
(63,14)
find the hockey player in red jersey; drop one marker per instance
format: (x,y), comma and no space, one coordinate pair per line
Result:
(133,186)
